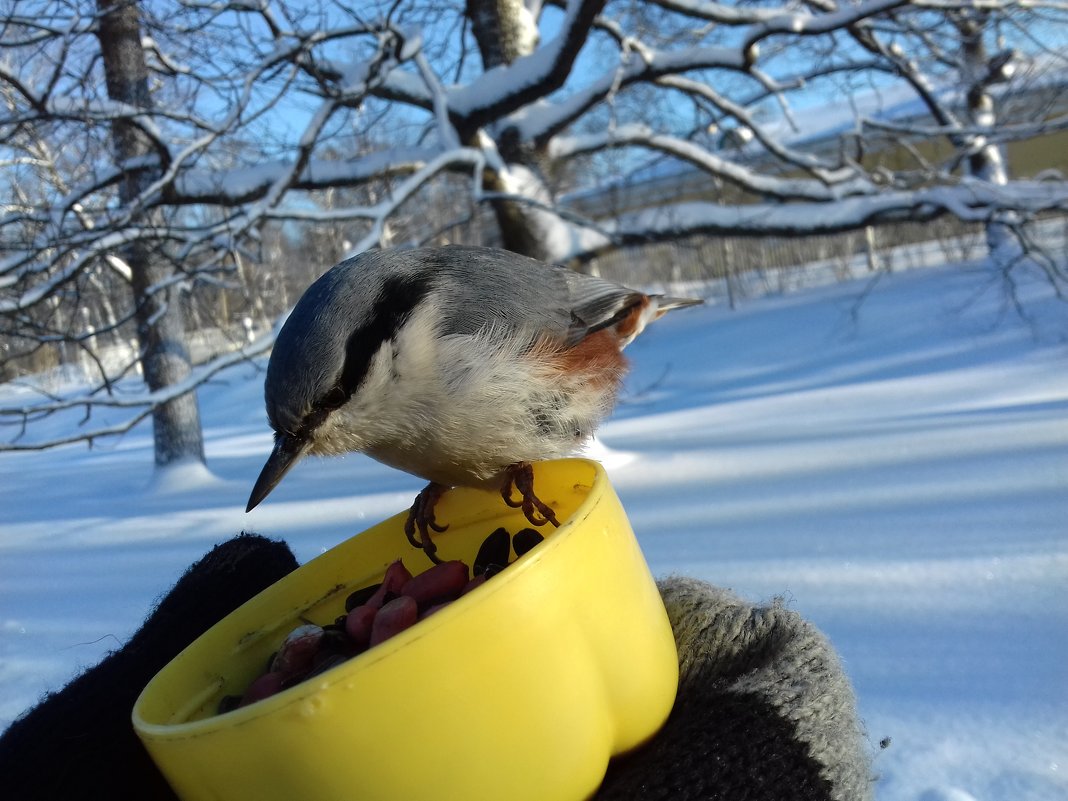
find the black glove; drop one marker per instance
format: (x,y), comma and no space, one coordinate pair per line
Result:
(764,712)
(79,743)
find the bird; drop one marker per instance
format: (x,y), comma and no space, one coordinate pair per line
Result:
(461,365)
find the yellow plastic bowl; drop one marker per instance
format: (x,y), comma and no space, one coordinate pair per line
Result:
(522,689)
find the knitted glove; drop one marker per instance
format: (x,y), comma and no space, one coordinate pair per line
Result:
(79,743)
(763,712)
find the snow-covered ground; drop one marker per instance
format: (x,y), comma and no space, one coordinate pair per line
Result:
(899,474)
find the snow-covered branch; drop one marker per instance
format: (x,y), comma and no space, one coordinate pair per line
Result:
(724,13)
(540,121)
(505,89)
(141,404)
(638,135)
(974,201)
(803,24)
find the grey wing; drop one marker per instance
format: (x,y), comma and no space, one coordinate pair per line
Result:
(596,304)
(495,287)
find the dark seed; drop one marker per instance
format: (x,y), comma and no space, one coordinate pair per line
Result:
(337,625)
(493,551)
(492,569)
(361,596)
(228,703)
(324,664)
(525,540)
(334,640)
(294,679)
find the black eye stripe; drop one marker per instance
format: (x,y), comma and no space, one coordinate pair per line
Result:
(395,303)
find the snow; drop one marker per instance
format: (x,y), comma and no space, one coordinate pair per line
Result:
(896,471)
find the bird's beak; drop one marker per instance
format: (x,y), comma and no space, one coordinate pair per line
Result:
(287,452)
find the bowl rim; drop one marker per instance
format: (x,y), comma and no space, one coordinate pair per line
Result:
(303,690)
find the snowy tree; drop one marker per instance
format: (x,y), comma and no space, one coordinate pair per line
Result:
(160,326)
(401,122)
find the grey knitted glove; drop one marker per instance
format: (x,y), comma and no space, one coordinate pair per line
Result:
(764,711)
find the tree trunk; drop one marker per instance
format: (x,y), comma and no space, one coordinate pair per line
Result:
(505,31)
(160,326)
(986,160)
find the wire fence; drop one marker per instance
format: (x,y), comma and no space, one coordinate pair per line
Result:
(744,265)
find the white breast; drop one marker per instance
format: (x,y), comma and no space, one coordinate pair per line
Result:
(460,409)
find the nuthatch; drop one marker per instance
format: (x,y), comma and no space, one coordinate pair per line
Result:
(461,365)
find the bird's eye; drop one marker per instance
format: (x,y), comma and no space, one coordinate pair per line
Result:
(333,399)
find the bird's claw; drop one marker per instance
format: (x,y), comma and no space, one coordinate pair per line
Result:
(521,476)
(421,519)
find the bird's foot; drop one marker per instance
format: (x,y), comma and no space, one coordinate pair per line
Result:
(521,476)
(421,519)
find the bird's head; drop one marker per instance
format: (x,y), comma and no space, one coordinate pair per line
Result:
(323,354)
